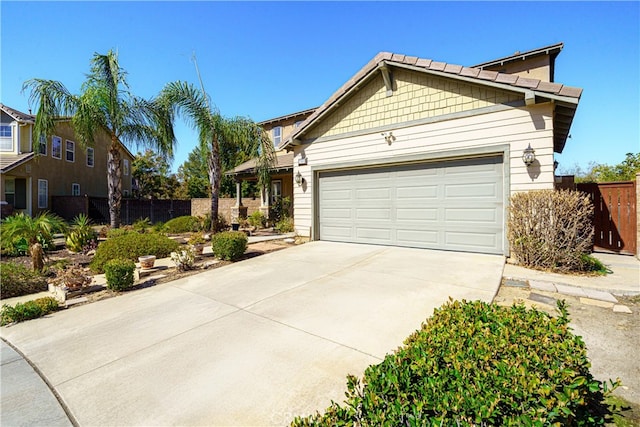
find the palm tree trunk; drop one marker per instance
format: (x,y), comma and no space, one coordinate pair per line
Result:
(114,182)
(215,175)
(37,256)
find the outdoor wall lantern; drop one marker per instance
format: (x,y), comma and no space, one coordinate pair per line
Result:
(528,155)
(299,179)
(388,136)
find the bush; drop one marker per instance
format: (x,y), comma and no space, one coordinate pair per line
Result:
(285,225)
(257,220)
(550,229)
(184,258)
(119,274)
(474,363)
(112,233)
(28,310)
(141,225)
(131,246)
(17,280)
(182,224)
(229,245)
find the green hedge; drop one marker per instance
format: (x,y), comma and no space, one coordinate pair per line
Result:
(119,274)
(27,310)
(17,280)
(474,363)
(182,224)
(131,246)
(229,245)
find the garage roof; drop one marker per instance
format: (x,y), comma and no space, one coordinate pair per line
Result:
(565,97)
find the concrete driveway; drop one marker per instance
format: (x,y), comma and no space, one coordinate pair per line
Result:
(252,343)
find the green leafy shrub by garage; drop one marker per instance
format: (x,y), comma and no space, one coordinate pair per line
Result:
(474,363)
(27,310)
(119,274)
(229,245)
(17,280)
(182,224)
(285,225)
(257,220)
(551,230)
(132,246)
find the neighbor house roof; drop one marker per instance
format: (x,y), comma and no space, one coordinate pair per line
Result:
(566,97)
(18,115)
(10,161)
(284,162)
(288,116)
(552,50)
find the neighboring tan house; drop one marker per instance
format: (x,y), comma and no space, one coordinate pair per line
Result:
(418,153)
(279,129)
(57,166)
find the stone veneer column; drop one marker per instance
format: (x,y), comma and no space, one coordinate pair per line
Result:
(238,211)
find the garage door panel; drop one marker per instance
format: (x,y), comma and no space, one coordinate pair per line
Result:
(489,215)
(454,205)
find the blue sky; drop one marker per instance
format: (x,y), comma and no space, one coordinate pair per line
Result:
(267,59)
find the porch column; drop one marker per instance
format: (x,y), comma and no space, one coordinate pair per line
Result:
(238,211)
(265,200)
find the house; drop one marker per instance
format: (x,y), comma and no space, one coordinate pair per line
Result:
(56,166)
(419,153)
(278,129)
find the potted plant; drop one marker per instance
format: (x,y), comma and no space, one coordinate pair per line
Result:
(197,241)
(147,261)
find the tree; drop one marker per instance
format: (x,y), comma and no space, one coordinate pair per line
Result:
(624,171)
(34,231)
(193,175)
(217,133)
(153,176)
(106,105)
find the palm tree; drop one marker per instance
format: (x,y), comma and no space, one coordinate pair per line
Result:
(104,105)
(217,133)
(34,231)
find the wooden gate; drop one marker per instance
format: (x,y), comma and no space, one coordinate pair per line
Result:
(614,216)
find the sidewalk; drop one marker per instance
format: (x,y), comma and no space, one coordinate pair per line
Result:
(624,279)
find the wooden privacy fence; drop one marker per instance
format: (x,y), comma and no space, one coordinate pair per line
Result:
(131,210)
(614,216)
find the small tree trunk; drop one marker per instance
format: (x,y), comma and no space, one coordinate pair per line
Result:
(114,182)
(215,175)
(37,256)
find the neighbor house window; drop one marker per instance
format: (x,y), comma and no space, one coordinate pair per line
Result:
(90,158)
(43,193)
(277,135)
(10,191)
(56,147)
(71,151)
(298,123)
(6,139)
(125,167)
(42,146)
(75,189)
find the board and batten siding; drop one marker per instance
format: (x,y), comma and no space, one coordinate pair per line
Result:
(516,127)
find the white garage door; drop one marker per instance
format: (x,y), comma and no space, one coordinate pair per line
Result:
(454,205)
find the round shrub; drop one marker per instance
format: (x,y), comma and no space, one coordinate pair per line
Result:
(229,245)
(119,274)
(550,230)
(17,280)
(182,224)
(131,246)
(474,363)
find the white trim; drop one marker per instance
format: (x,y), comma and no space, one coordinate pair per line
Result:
(72,151)
(46,194)
(125,167)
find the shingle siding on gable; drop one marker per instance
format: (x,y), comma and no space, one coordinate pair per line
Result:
(416,96)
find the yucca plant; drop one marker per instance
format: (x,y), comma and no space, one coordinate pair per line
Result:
(80,234)
(34,230)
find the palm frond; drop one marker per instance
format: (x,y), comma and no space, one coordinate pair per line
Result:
(54,102)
